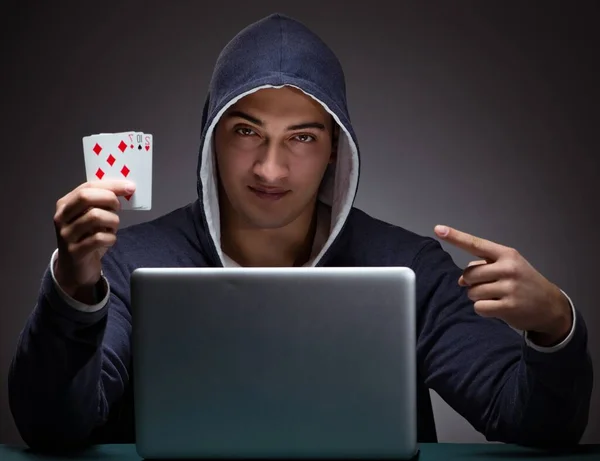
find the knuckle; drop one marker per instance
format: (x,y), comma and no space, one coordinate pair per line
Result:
(510,303)
(59,211)
(94,214)
(110,220)
(511,286)
(72,248)
(87,194)
(513,253)
(103,239)
(83,194)
(472,294)
(96,238)
(57,218)
(511,268)
(64,233)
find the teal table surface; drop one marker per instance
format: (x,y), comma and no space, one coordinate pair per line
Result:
(428,452)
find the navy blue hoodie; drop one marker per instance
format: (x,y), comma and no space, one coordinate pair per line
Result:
(70,382)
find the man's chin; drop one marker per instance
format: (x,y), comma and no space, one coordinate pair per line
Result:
(268,221)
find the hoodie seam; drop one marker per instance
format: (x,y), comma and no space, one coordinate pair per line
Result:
(281,48)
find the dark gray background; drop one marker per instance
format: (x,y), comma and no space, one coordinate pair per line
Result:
(481,115)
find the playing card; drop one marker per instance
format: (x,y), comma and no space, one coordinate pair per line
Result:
(143,168)
(126,155)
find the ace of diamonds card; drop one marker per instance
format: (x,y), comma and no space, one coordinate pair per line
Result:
(126,155)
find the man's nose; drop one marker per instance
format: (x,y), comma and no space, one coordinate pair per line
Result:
(271,166)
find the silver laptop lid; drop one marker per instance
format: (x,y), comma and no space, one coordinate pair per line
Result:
(264,362)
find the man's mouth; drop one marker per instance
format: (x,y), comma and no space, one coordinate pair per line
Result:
(268,193)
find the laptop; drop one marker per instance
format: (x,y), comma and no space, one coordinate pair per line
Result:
(274,362)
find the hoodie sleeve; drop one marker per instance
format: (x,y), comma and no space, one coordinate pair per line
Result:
(506,389)
(70,366)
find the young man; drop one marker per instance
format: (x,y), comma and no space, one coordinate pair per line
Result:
(277,176)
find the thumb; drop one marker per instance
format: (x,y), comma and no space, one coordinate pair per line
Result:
(477,263)
(480,262)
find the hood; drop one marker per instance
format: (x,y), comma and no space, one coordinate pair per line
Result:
(273,52)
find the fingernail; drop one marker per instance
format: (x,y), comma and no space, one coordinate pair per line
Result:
(442,230)
(130,187)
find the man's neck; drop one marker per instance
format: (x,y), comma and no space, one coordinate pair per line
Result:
(290,246)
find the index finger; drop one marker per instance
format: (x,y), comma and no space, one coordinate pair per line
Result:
(477,246)
(78,202)
(101,194)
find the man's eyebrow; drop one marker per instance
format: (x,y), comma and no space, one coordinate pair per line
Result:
(303,126)
(256,121)
(240,114)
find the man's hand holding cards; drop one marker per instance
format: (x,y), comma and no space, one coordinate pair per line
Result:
(118,169)
(123,156)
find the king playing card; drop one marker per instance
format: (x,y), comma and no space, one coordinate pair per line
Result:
(126,155)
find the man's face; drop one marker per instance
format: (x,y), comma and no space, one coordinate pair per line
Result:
(272,150)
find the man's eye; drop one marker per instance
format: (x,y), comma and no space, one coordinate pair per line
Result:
(245,131)
(305,138)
